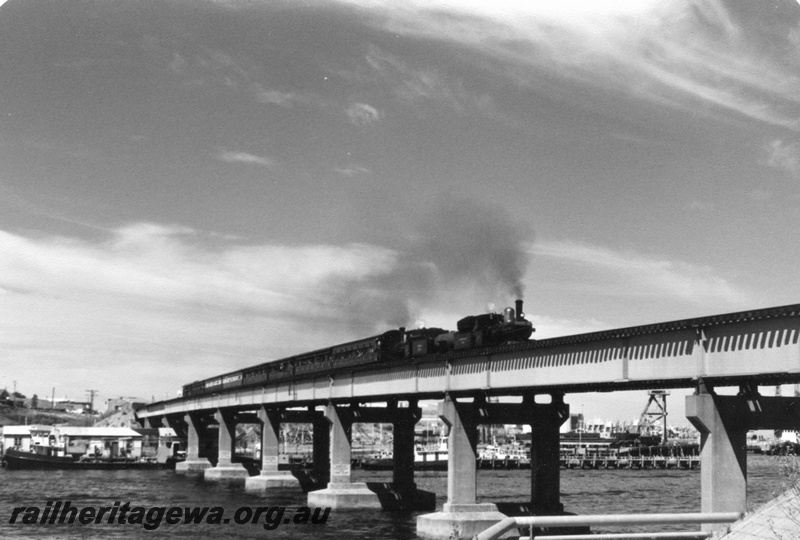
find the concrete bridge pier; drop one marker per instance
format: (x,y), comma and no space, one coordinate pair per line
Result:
(270,476)
(723,423)
(403,448)
(723,452)
(341,491)
(461,515)
(545,420)
(320,452)
(225,469)
(320,446)
(194,464)
(402,492)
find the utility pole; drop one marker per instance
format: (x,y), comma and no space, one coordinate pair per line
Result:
(91,400)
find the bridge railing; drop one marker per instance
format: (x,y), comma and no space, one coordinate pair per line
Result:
(497,530)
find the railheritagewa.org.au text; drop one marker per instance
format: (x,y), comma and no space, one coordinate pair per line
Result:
(151,518)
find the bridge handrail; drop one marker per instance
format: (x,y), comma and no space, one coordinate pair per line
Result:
(700,535)
(496,530)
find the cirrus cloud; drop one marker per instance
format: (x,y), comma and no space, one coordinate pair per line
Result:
(675,54)
(605,271)
(361,114)
(244,157)
(783,156)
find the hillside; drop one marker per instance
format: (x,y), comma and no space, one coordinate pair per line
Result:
(18,416)
(124,417)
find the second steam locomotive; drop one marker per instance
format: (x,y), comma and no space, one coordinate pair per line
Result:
(474,331)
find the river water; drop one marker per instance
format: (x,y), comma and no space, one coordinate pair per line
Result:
(583,492)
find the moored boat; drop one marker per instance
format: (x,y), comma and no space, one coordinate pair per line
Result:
(45,457)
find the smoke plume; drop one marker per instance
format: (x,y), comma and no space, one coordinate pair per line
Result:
(471,242)
(459,247)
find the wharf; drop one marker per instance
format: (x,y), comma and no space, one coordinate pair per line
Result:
(639,462)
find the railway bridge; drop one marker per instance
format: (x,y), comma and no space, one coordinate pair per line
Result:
(742,351)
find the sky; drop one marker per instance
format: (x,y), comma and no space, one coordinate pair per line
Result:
(189,187)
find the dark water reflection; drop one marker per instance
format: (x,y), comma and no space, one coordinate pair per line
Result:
(583,492)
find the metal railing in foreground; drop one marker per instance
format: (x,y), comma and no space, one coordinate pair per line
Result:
(495,531)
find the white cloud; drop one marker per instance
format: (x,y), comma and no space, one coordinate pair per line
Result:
(273,97)
(352,171)
(605,271)
(147,262)
(783,156)
(214,68)
(244,157)
(550,327)
(362,114)
(411,83)
(152,295)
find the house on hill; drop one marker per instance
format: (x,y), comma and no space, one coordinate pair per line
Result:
(120,412)
(122,403)
(11,399)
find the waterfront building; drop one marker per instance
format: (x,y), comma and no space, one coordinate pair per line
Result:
(25,437)
(75,440)
(101,441)
(155,438)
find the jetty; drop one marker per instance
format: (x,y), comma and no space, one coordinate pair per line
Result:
(622,462)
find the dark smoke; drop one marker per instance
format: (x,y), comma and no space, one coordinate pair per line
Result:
(460,245)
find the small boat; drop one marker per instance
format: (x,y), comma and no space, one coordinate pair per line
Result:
(427,457)
(381,462)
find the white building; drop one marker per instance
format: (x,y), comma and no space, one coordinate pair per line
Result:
(24,437)
(100,441)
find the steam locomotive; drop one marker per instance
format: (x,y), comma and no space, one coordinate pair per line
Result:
(474,331)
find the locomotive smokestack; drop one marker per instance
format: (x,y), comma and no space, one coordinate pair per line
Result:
(520,315)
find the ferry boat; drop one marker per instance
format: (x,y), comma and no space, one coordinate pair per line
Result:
(431,457)
(51,457)
(95,447)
